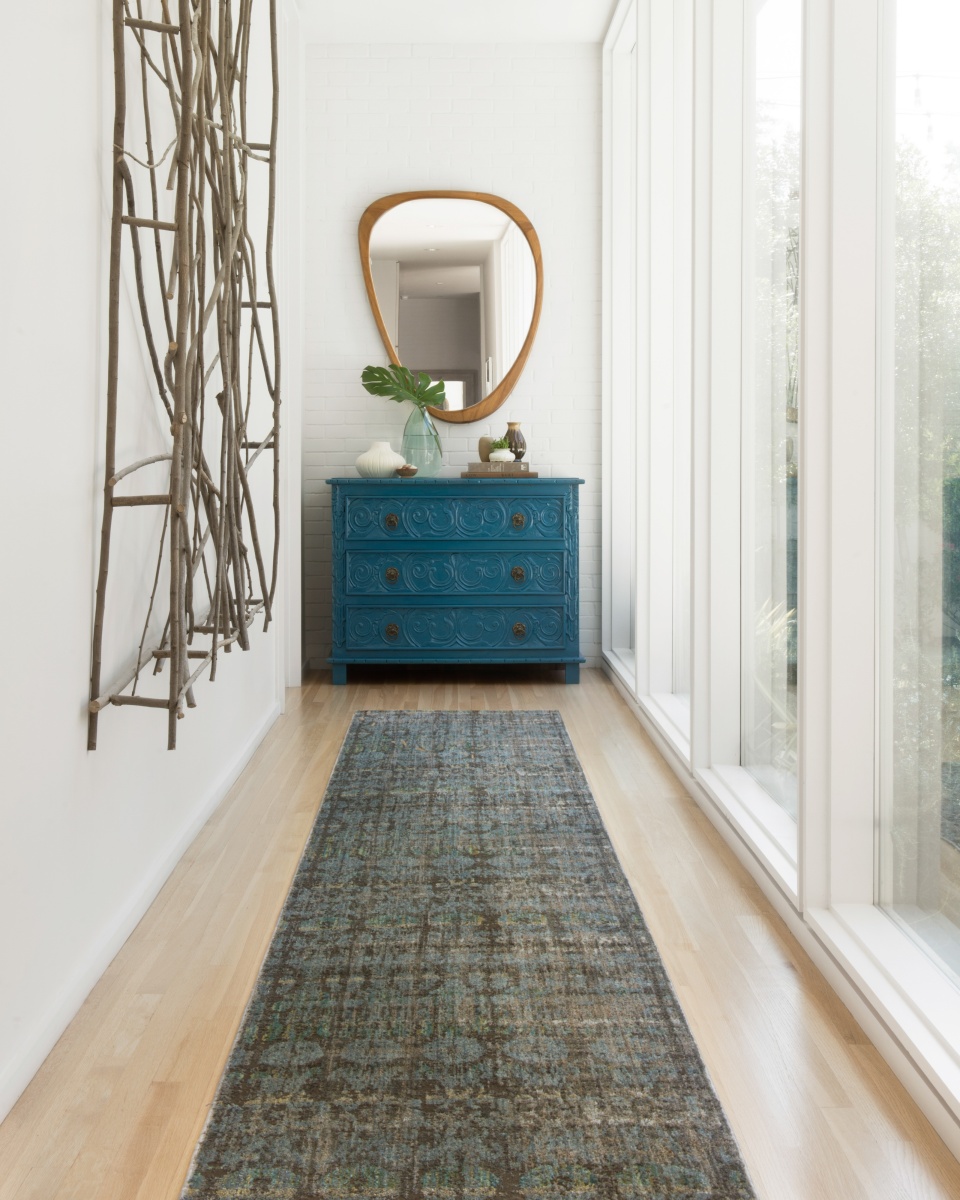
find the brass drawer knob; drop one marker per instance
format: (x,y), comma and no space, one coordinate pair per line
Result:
(519,574)
(392,574)
(392,630)
(391,520)
(519,520)
(519,630)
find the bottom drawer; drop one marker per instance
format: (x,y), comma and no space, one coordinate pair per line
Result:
(454,628)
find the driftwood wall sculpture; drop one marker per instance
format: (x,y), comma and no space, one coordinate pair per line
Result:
(202,270)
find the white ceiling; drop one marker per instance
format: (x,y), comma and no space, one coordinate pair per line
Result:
(456,20)
(439,243)
(438,230)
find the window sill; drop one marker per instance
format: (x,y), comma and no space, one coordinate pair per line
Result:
(623,663)
(916,1003)
(672,716)
(760,822)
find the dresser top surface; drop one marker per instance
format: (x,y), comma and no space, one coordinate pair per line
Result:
(449,481)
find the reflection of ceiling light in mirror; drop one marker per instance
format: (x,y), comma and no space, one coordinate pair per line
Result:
(430,250)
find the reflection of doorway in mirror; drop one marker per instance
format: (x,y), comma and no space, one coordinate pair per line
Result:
(456,284)
(511,277)
(453,390)
(442,335)
(386,279)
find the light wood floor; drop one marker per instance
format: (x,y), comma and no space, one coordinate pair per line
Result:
(115,1111)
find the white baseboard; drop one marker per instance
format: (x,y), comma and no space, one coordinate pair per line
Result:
(38,1043)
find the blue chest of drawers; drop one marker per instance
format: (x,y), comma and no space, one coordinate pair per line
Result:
(455,571)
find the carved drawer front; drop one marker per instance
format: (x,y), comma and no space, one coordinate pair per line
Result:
(446,629)
(435,573)
(474,517)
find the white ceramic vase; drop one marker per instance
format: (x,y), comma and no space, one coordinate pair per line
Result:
(379,462)
(503,455)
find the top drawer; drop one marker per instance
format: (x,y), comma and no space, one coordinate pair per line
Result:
(427,518)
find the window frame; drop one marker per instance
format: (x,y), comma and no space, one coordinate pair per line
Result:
(825,886)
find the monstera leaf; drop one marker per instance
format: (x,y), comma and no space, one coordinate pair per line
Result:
(397,383)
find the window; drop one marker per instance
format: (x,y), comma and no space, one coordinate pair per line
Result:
(773,102)
(648,376)
(920,481)
(620,448)
(782,441)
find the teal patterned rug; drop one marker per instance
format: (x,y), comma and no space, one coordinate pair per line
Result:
(462,999)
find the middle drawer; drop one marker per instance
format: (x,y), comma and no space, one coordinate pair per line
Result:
(432,573)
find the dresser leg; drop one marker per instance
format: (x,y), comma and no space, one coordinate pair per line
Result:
(572,671)
(339,673)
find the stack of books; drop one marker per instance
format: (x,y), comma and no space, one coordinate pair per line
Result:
(499,470)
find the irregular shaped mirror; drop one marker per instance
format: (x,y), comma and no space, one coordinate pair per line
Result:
(455,281)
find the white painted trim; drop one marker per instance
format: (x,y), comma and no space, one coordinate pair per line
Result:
(623,349)
(891,973)
(644,571)
(851,566)
(723,530)
(813,508)
(617,20)
(762,824)
(625,670)
(291,232)
(700,703)
(673,717)
(834,951)
(51,1025)
(720,808)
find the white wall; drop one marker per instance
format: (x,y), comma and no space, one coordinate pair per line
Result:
(86,840)
(520,121)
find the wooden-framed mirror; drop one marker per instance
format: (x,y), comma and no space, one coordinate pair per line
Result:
(455,282)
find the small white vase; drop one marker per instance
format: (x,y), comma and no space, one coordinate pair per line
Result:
(379,462)
(503,455)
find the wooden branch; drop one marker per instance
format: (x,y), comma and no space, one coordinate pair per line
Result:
(155,26)
(225,643)
(137,501)
(182,208)
(141,296)
(144,462)
(141,42)
(149,223)
(113,357)
(204,291)
(272,287)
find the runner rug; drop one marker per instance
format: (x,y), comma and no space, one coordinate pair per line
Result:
(462,998)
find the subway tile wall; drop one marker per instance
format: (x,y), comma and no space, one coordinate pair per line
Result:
(520,121)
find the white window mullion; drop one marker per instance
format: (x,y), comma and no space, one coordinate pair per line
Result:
(813,635)
(683,91)
(661,394)
(643,308)
(619,345)
(722,476)
(700,556)
(852,465)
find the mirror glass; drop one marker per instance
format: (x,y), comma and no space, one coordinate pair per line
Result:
(456,287)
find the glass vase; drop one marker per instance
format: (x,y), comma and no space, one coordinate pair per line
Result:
(421,443)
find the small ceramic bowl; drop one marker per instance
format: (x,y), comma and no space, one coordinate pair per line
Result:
(406,471)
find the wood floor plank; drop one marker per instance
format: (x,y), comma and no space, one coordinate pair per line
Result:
(116,1110)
